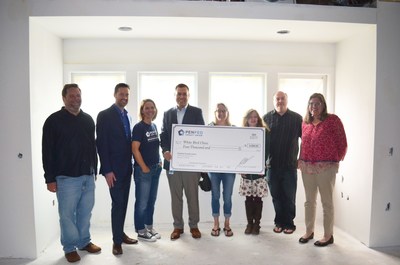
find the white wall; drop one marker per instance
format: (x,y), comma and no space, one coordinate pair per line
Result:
(45,52)
(237,55)
(16,196)
(386,171)
(355,105)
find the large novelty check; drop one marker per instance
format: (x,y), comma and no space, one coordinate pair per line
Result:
(218,149)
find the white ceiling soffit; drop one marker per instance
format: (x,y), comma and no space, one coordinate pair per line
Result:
(199,28)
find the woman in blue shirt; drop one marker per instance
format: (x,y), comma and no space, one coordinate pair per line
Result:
(147,170)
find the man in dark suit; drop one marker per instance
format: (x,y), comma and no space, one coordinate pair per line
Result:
(180,181)
(114,147)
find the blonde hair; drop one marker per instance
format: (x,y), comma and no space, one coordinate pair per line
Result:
(227,121)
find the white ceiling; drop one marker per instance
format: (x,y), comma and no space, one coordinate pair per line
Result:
(199,28)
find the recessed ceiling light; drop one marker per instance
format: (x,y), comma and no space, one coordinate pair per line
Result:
(283,31)
(125,28)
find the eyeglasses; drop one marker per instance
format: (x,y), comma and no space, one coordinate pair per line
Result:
(314,104)
(220,111)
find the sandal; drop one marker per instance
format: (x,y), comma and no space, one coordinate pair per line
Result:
(215,232)
(289,230)
(228,232)
(278,229)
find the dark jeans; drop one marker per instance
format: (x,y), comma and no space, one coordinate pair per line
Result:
(283,185)
(119,197)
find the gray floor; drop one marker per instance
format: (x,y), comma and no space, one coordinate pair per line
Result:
(267,248)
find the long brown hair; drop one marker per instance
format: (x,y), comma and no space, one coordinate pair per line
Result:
(308,118)
(260,122)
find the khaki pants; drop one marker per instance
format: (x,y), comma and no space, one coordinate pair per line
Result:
(324,182)
(184,183)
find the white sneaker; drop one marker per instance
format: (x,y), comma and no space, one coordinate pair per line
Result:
(146,236)
(154,233)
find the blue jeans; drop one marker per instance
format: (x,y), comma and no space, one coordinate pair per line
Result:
(75,197)
(228,180)
(146,187)
(283,185)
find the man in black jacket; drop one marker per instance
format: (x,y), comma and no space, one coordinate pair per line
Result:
(285,128)
(70,165)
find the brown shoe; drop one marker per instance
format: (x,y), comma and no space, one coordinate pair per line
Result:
(117,249)
(91,248)
(176,233)
(256,229)
(72,256)
(195,232)
(249,228)
(127,240)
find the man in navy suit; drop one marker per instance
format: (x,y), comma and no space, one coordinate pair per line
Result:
(180,181)
(114,147)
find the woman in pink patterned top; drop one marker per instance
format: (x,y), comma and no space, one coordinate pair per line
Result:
(323,145)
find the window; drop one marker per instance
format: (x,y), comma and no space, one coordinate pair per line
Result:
(97,89)
(239,92)
(160,87)
(299,88)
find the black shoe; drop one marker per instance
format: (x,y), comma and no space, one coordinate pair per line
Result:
(117,249)
(324,244)
(305,240)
